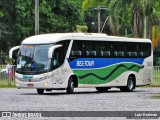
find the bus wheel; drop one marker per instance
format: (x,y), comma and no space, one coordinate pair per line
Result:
(40,91)
(130,85)
(102,89)
(70,88)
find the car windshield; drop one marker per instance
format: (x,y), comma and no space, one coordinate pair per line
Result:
(33,59)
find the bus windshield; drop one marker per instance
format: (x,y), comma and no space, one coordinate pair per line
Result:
(33,59)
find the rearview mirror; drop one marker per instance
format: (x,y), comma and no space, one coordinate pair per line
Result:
(11,51)
(51,50)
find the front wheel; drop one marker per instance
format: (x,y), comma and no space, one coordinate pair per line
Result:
(40,91)
(130,85)
(70,88)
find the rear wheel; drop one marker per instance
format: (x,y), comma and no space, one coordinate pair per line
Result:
(130,85)
(70,88)
(40,91)
(102,89)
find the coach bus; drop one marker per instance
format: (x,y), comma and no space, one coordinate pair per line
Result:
(64,61)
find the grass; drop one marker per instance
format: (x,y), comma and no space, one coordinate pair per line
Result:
(156,96)
(156,78)
(5,84)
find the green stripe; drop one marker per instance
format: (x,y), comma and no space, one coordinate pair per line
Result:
(105,75)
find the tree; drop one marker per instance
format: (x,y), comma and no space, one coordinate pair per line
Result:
(114,13)
(91,19)
(5,24)
(127,15)
(58,16)
(93,3)
(17,19)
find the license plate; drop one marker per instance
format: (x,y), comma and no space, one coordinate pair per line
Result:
(30,85)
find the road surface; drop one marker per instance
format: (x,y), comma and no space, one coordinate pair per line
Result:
(84,99)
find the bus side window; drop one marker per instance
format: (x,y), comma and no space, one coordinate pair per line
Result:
(105,53)
(141,54)
(105,49)
(118,49)
(91,49)
(131,54)
(76,50)
(118,54)
(131,50)
(91,53)
(144,49)
(77,53)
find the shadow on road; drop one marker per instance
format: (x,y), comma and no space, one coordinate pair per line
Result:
(62,92)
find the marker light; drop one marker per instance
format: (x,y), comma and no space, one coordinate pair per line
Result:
(46,83)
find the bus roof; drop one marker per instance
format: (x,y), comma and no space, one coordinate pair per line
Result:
(56,37)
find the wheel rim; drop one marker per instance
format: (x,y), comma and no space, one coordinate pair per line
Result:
(72,86)
(130,84)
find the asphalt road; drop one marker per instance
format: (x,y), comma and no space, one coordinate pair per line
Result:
(84,99)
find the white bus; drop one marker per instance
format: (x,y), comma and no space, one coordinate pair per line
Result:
(64,61)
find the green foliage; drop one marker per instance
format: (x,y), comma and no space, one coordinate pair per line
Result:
(61,17)
(92,3)
(17,19)
(80,28)
(1,14)
(157,55)
(156,61)
(127,15)
(24,22)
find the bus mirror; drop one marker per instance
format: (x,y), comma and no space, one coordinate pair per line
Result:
(11,51)
(51,50)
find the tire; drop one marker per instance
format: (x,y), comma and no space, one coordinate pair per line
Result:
(130,85)
(40,91)
(70,88)
(102,89)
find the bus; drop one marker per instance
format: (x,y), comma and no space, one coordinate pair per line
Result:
(64,61)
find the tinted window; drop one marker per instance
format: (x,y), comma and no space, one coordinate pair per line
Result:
(144,49)
(60,53)
(131,49)
(105,49)
(77,49)
(118,49)
(91,49)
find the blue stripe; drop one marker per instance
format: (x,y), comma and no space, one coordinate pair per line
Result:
(93,63)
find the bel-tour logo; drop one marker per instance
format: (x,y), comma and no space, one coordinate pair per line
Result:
(85,63)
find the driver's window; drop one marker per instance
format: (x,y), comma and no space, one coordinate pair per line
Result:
(57,58)
(59,54)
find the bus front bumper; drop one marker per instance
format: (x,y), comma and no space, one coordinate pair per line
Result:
(45,84)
